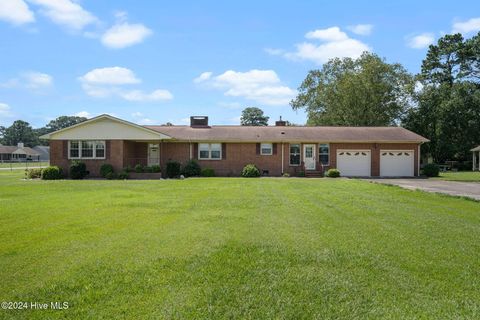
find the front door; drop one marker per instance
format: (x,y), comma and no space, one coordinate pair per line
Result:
(153,154)
(309,156)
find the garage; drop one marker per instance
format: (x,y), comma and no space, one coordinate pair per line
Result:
(354,163)
(397,163)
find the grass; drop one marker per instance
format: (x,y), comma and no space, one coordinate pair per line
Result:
(467,176)
(237,248)
(24,164)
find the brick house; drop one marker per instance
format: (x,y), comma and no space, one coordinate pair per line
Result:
(355,151)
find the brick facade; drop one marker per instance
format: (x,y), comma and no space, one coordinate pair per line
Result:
(120,154)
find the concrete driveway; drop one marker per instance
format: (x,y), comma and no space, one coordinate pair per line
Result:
(465,189)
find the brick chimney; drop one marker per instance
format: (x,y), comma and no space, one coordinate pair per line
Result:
(280,123)
(199,122)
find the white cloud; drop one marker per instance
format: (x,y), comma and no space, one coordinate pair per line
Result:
(5,110)
(66,13)
(110,81)
(334,44)
(329,34)
(16,12)
(465,27)
(34,81)
(37,80)
(124,35)
(137,114)
(262,86)
(274,52)
(110,76)
(420,41)
(361,29)
(84,114)
(138,95)
(202,77)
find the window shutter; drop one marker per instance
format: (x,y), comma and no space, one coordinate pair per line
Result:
(224,151)
(107,149)
(274,148)
(195,151)
(65,149)
(258,148)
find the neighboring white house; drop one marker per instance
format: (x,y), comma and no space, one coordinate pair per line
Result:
(20,153)
(476,158)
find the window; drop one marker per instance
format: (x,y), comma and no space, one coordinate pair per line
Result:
(74,149)
(209,151)
(266,149)
(324,153)
(86,149)
(294,154)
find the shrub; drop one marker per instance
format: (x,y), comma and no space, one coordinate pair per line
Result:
(147,169)
(138,168)
(127,169)
(286,175)
(78,170)
(33,173)
(191,169)
(111,175)
(431,170)
(250,171)
(301,174)
(207,172)
(156,168)
(123,175)
(333,173)
(52,173)
(105,169)
(173,169)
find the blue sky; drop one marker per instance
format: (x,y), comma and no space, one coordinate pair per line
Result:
(158,61)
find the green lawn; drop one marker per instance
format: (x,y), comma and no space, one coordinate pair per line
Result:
(469,176)
(23,164)
(237,248)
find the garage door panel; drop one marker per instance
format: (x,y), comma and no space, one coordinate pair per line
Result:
(397,163)
(354,163)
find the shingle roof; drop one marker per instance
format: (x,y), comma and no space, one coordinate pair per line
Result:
(290,134)
(476,149)
(11,149)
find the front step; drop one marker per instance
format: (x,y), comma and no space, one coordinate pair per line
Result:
(313,174)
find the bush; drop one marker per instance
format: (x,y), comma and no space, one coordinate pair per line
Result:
(106,169)
(250,171)
(127,169)
(191,169)
(286,175)
(138,168)
(148,169)
(33,173)
(111,176)
(301,174)
(52,173)
(173,169)
(156,168)
(123,175)
(78,170)
(207,172)
(431,170)
(333,173)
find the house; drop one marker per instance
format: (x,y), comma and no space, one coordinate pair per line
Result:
(18,153)
(355,151)
(43,151)
(476,160)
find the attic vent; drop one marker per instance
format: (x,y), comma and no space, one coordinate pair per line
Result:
(198,121)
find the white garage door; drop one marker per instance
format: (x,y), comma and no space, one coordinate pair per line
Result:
(354,163)
(396,163)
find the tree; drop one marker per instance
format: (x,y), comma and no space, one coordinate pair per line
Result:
(63,122)
(447,108)
(252,116)
(19,131)
(355,92)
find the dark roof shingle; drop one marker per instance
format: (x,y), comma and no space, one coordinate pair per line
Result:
(290,134)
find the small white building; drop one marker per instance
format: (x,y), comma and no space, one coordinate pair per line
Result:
(476,158)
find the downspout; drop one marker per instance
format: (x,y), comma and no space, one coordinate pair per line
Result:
(418,160)
(283,150)
(190,149)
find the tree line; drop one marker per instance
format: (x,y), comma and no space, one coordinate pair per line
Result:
(22,131)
